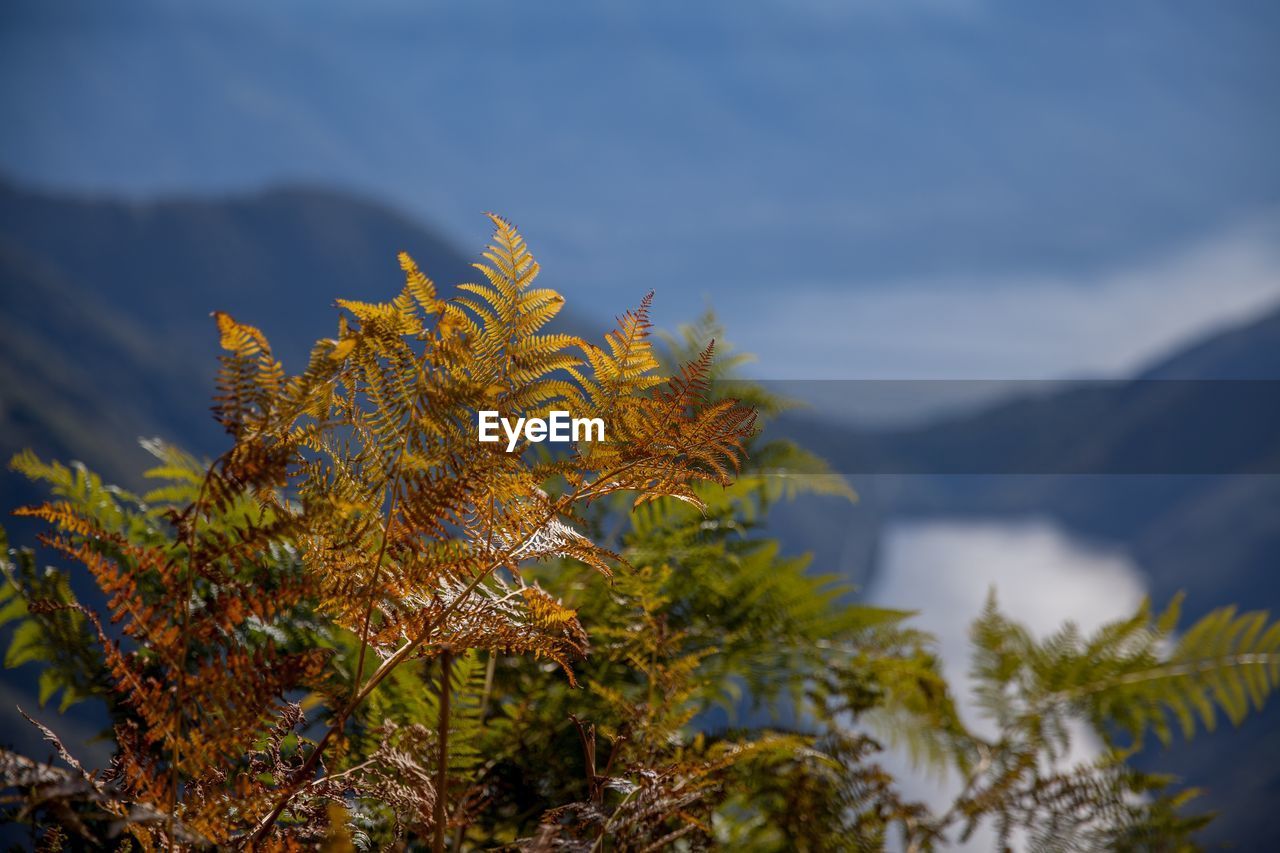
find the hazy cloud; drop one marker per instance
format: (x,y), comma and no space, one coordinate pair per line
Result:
(1042,577)
(1017,327)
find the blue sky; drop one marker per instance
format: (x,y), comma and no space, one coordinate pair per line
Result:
(917,188)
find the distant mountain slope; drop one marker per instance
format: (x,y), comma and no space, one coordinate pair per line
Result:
(104,306)
(281,256)
(1249,351)
(1214,535)
(1114,460)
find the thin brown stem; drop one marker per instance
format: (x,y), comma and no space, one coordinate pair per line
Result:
(490,670)
(377,572)
(442,760)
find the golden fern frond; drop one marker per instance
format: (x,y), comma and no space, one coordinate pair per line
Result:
(628,366)
(418,286)
(516,267)
(63,515)
(249,379)
(667,443)
(500,319)
(491,617)
(538,306)
(546,611)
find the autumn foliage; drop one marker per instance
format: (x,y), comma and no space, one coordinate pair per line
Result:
(401,528)
(360,626)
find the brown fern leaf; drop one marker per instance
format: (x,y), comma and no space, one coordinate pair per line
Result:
(229,700)
(250,377)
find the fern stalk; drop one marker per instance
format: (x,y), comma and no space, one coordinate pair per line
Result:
(442,770)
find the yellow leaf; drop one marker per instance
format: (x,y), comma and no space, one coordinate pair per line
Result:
(342,349)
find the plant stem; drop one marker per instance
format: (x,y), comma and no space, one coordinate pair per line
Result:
(442,761)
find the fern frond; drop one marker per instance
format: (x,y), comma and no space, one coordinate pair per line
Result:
(1136,674)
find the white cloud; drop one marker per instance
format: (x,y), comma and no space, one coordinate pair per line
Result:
(1042,577)
(1028,327)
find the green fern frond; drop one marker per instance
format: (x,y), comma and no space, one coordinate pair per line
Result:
(1136,674)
